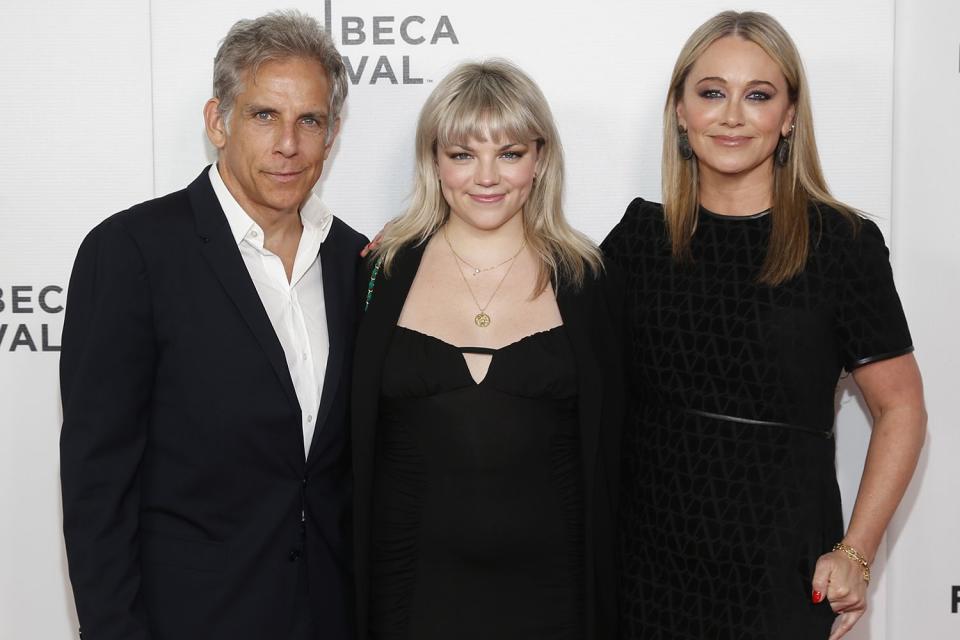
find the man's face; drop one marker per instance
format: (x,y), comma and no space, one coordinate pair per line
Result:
(273,150)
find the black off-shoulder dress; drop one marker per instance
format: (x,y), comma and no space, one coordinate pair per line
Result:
(729,491)
(478,528)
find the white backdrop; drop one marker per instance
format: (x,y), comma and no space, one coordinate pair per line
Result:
(103,104)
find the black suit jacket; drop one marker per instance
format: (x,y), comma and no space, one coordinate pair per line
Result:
(182,463)
(593,317)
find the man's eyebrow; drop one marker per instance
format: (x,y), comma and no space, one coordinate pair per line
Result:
(257,108)
(319,115)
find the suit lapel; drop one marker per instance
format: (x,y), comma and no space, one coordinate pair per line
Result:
(220,251)
(337,295)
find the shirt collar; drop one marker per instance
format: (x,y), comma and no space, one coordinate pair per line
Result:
(314,215)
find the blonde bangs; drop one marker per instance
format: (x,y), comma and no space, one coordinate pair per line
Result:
(485,111)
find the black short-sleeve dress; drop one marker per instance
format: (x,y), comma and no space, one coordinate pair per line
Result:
(729,491)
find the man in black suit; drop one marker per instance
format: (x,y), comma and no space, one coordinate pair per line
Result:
(206,352)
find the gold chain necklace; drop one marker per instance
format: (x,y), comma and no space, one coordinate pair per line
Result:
(482,319)
(479,270)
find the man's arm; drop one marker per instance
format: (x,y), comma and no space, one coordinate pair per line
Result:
(106,377)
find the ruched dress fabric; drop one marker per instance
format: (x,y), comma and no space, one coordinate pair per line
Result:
(729,491)
(478,493)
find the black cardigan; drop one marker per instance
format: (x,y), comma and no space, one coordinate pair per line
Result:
(593,317)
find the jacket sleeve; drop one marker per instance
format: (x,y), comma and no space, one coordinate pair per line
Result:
(107,365)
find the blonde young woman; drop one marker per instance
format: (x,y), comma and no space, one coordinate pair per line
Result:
(749,291)
(487,387)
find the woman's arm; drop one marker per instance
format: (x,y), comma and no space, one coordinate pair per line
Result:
(893,392)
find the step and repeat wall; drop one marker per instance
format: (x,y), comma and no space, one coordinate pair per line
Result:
(103,109)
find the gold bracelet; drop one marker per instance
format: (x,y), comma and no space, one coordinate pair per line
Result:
(857,557)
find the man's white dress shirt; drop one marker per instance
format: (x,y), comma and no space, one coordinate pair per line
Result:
(296,307)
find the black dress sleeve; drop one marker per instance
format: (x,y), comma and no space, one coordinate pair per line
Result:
(619,247)
(870,322)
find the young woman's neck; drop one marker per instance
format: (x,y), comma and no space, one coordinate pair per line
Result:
(480,245)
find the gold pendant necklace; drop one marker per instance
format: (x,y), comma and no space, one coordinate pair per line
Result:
(482,319)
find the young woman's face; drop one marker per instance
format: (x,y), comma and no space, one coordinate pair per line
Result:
(487,182)
(735,106)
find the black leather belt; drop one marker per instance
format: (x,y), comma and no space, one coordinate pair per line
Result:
(762,423)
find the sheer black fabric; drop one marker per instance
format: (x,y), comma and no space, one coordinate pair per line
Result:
(478,493)
(729,491)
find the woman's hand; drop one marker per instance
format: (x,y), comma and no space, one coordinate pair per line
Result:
(373,244)
(839,580)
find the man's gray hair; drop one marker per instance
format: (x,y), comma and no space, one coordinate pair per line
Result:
(276,36)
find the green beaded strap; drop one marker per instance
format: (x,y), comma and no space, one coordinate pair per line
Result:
(373,280)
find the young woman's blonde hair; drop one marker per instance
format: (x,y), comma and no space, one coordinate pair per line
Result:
(796,185)
(494,100)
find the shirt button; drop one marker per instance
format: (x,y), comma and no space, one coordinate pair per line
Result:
(254,233)
(310,418)
(304,355)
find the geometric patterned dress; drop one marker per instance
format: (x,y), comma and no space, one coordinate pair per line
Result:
(729,491)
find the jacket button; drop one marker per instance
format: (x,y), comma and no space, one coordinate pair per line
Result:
(294,555)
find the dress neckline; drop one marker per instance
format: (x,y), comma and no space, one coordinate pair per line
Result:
(462,352)
(483,350)
(727,216)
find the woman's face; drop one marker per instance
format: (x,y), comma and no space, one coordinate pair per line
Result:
(735,106)
(487,182)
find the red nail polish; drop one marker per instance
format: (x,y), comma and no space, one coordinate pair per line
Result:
(817,597)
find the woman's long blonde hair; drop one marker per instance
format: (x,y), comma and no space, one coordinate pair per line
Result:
(796,185)
(494,100)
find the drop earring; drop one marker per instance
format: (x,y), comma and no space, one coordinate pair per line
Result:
(781,154)
(686,151)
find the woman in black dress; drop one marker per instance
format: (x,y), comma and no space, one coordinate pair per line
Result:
(487,395)
(748,292)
